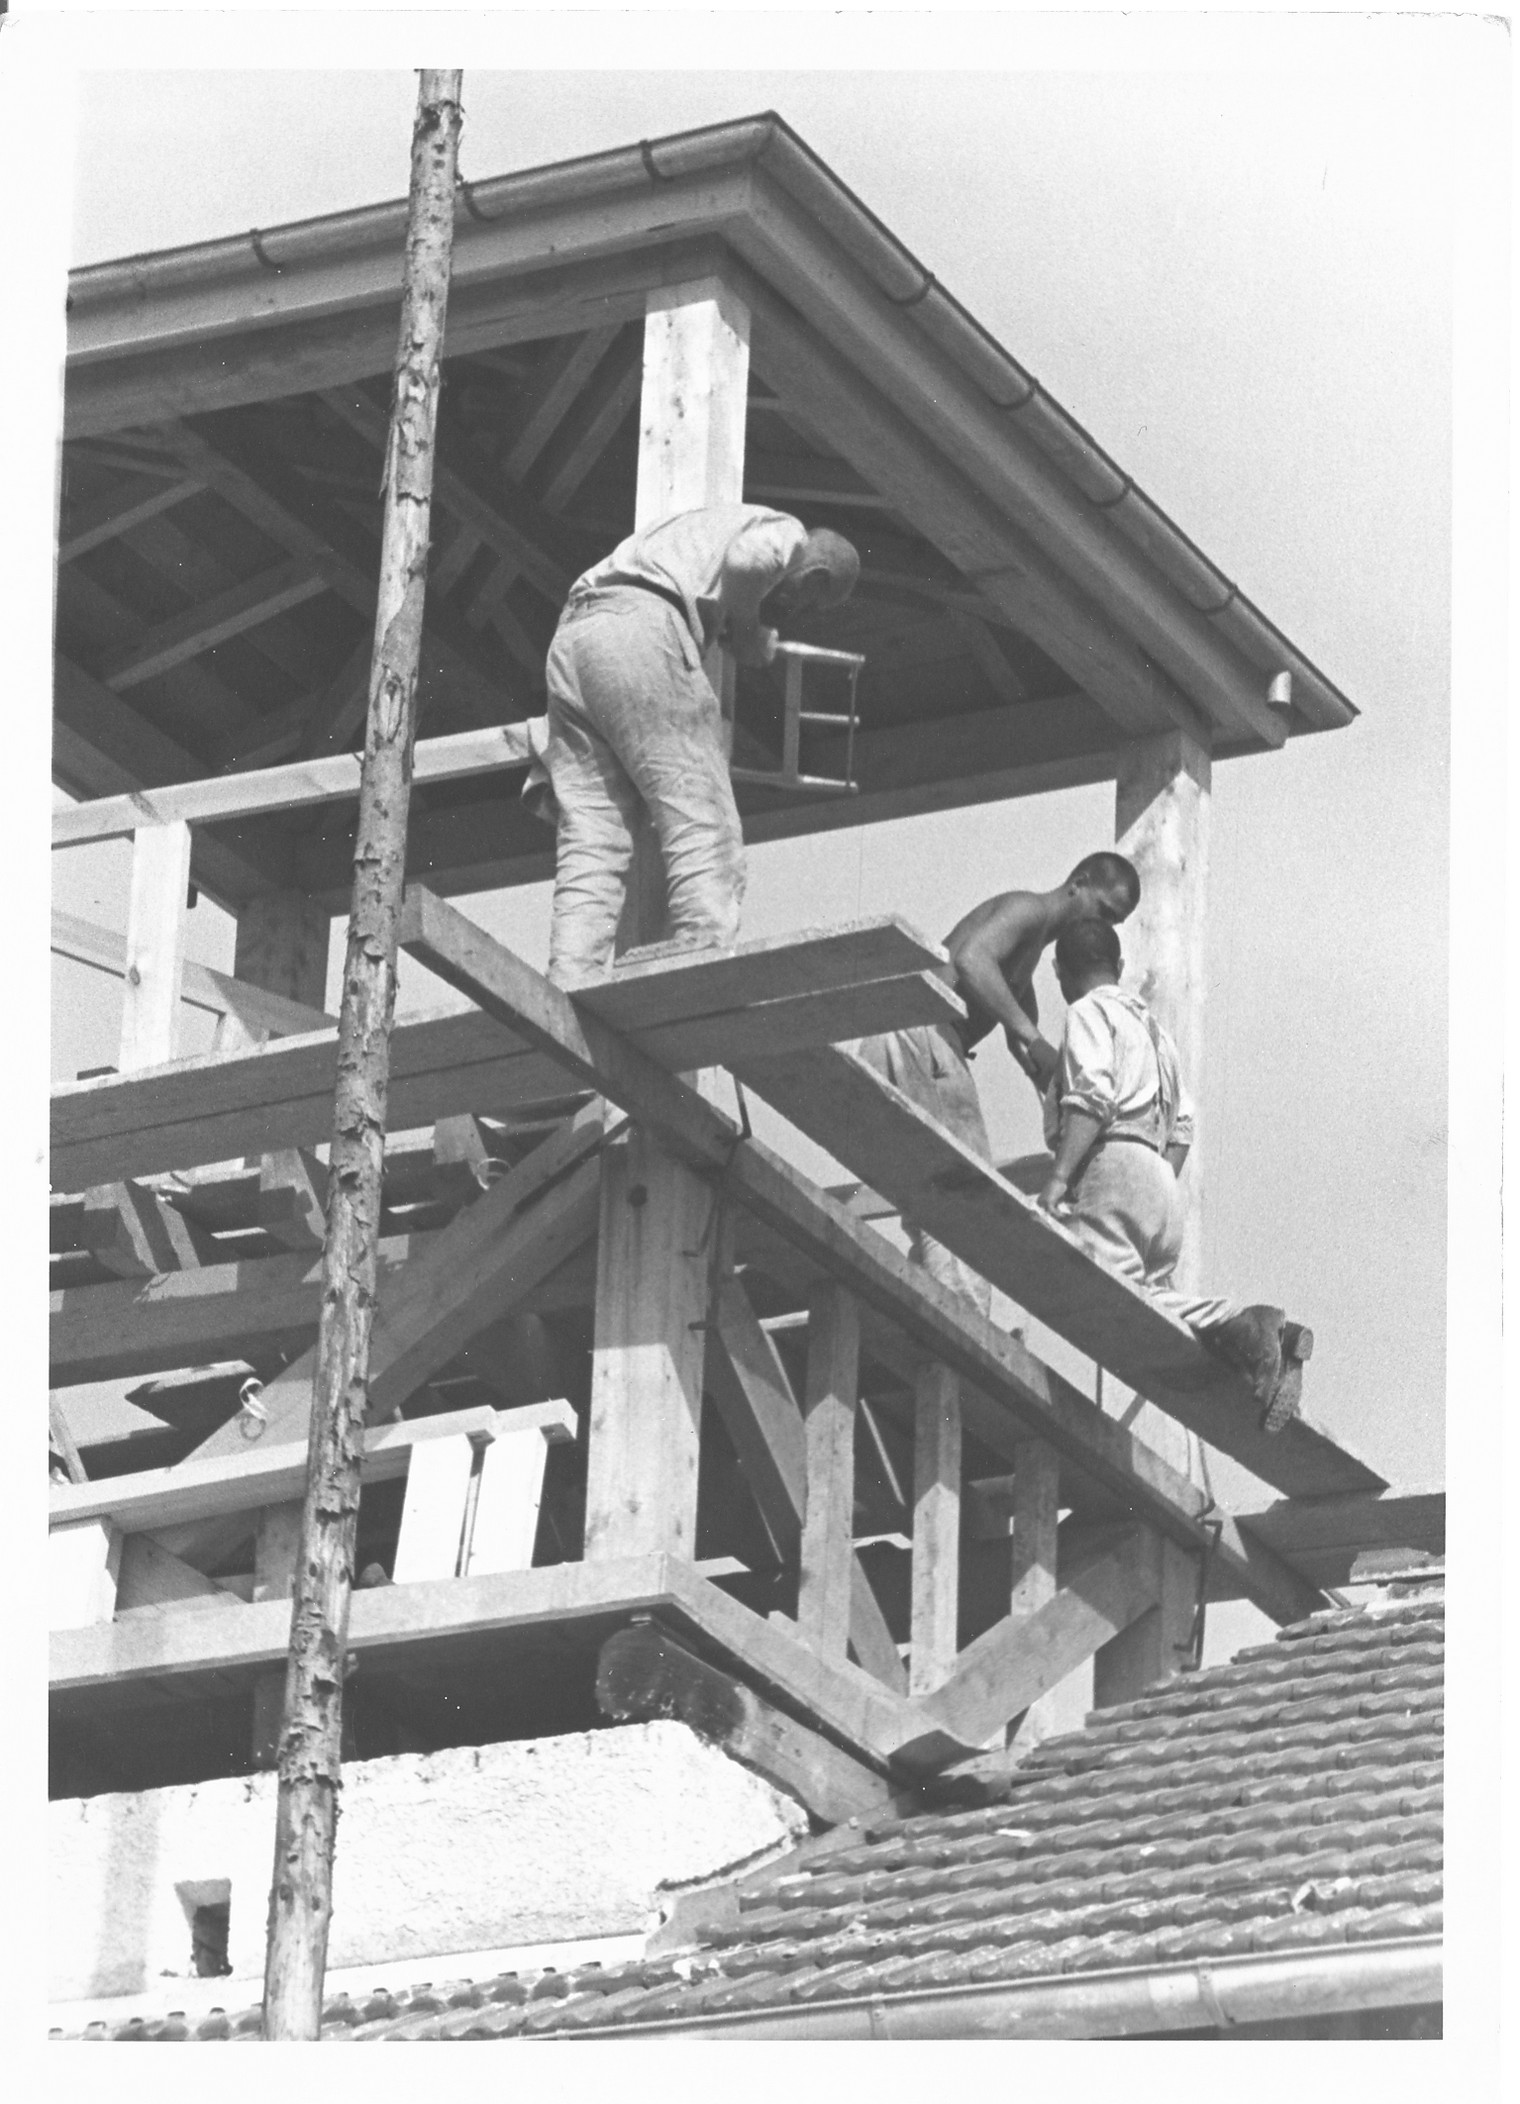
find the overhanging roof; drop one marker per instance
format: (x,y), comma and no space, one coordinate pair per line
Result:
(1025,608)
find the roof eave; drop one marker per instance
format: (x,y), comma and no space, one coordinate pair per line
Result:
(1199,1995)
(1210,604)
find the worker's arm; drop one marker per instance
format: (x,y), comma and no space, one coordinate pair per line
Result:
(750,569)
(1015,923)
(1079,1135)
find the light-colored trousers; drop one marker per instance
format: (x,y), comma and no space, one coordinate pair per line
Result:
(1127,1212)
(932,1071)
(634,722)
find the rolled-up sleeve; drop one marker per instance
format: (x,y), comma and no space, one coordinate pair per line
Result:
(1182,1120)
(1088,1077)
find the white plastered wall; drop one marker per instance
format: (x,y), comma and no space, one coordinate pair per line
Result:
(533,1841)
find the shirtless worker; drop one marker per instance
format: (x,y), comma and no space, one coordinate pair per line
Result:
(633,719)
(993,952)
(1119,1123)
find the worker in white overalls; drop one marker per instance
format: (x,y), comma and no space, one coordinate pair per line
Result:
(1119,1122)
(633,719)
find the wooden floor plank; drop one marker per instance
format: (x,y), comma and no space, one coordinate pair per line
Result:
(647,992)
(275,1095)
(844,1105)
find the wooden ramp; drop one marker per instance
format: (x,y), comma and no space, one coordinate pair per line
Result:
(873,1129)
(765,998)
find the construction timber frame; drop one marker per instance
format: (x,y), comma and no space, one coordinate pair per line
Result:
(661,1427)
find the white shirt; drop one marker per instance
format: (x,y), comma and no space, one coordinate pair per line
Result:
(686,554)
(1121,1067)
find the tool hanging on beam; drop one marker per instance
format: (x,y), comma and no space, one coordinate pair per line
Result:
(794,716)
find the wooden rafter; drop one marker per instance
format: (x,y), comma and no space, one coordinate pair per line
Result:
(260,490)
(103,747)
(457,493)
(107,518)
(201,628)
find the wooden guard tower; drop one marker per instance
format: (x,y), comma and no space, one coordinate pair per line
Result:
(657,1421)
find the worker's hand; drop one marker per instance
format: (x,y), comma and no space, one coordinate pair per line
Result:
(1053,1198)
(752,646)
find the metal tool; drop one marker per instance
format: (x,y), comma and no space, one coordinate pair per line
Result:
(789,774)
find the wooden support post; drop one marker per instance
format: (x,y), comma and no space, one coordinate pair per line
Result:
(1154,1646)
(1161,822)
(155,944)
(936,1526)
(654,1256)
(827,1569)
(1036,1520)
(646,1365)
(276,1546)
(300,1900)
(282,943)
(84,1562)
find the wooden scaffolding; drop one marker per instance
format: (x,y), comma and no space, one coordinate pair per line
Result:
(660,1425)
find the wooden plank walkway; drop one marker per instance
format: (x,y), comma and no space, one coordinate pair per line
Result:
(870,1127)
(693,1012)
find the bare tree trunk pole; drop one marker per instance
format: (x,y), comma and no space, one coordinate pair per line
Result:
(300,1898)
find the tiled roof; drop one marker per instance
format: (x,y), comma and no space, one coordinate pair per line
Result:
(1290,1801)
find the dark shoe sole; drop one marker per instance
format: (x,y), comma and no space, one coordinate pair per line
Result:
(1287,1397)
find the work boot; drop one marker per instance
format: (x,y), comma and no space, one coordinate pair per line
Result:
(1251,1343)
(1297,1346)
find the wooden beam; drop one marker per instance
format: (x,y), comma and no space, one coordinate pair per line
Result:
(292,1203)
(936,1526)
(600,414)
(468,1278)
(201,628)
(259,488)
(1154,1646)
(751,1389)
(457,494)
(837,1100)
(827,1558)
(754,1398)
(990,661)
(646,1360)
(90,526)
(214,1107)
(1029,1398)
(276,1546)
(260,1309)
(219,993)
(1324,1536)
(549,396)
(102,747)
(152,1578)
(297,787)
(130,1230)
(156,906)
(839,1699)
(1036,1527)
(1023,1657)
(250,1478)
(644,1674)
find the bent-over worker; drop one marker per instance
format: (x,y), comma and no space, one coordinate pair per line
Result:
(1120,1124)
(634,721)
(993,952)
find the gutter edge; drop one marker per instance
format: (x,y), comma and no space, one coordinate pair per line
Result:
(1123,2002)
